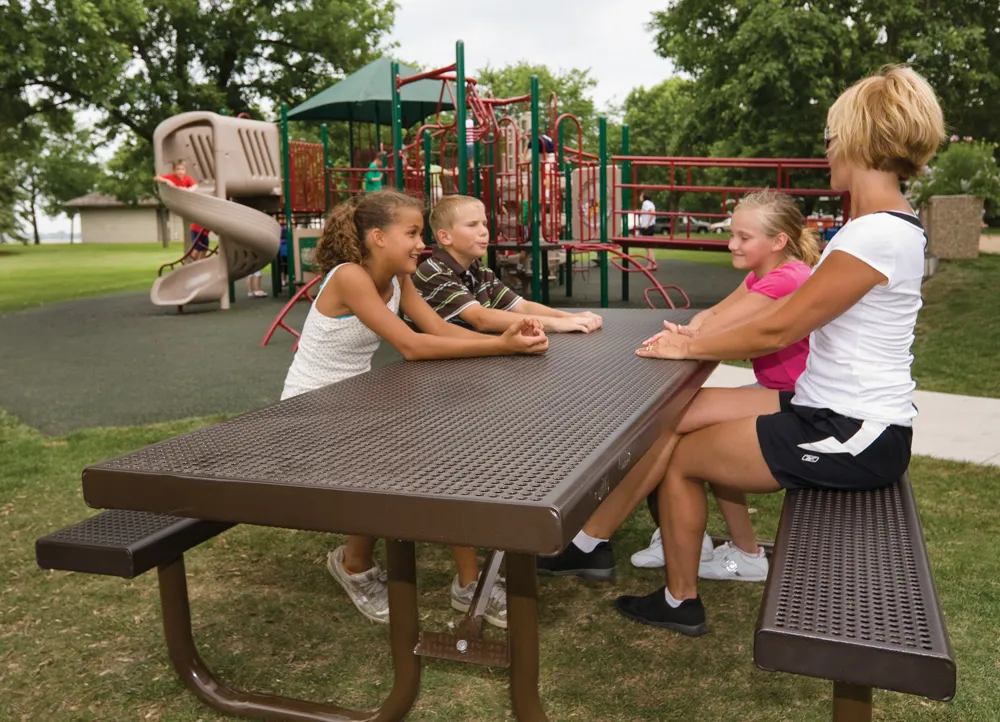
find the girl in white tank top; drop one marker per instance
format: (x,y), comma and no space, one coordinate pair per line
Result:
(369,249)
(333,349)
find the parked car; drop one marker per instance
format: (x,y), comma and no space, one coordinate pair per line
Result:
(722,226)
(662,225)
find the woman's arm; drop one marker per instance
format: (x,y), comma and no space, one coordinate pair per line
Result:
(748,306)
(838,284)
(354,283)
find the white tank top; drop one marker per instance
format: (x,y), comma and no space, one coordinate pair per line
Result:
(332,349)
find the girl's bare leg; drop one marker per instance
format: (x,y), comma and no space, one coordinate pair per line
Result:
(467,564)
(358,554)
(733,505)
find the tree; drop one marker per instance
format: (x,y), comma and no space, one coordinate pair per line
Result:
(139,62)
(661,123)
(55,167)
(573,88)
(765,71)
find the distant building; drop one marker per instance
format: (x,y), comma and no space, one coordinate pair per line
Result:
(105,219)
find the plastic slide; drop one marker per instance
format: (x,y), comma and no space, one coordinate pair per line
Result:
(249,242)
(229,158)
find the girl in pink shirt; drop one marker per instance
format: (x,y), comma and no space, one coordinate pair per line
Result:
(770,241)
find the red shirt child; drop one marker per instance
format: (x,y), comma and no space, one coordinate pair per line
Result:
(183,181)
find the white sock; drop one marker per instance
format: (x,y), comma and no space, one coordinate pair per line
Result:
(586,543)
(671,602)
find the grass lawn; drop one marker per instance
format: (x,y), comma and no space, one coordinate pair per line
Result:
(35,275)
(958,330)
(85,648)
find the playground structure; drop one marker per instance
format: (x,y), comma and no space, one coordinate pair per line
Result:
(545,194)
(230,158)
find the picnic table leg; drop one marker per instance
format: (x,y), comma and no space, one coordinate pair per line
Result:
(522,635)
(239,703)
(851,703)
(404,629)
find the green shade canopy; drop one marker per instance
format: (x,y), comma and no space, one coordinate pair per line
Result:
(366,97)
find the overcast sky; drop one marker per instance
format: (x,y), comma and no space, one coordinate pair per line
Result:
(608,38)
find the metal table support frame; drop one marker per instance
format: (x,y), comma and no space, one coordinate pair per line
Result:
(405,640)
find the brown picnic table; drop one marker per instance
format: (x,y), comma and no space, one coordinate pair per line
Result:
(508,453)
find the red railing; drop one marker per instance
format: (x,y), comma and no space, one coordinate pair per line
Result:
(682,179)
(306,176)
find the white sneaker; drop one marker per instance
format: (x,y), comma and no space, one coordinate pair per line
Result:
(496,610)
(731,562)
(652,556)
(368,591)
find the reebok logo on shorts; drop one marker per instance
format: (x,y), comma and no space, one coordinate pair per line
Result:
(810,458)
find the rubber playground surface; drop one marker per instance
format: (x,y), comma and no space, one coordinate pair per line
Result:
(119,360)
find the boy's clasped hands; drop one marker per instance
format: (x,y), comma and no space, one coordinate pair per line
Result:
(526,337)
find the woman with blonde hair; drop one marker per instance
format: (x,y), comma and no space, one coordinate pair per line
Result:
(848,424)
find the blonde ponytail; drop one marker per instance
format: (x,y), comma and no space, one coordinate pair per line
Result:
(778,213)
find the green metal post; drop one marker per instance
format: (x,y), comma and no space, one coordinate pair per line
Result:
(491,252)
(626,204)
(568,234)
(463,150)
(428,196)
(286,150)
(324,135)
(604,208)
(536,216)
(397,129)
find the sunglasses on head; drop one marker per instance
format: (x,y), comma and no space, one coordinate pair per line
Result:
(828,137)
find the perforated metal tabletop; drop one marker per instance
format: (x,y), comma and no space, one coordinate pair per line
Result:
(506,453)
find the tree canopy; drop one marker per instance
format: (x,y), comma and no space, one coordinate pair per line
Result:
(138,62)
(764,72)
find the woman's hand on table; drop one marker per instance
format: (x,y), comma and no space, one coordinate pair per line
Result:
(666,345)
(672,329)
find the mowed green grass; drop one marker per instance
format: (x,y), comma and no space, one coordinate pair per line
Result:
(35,275)
(83,648)
(957,348)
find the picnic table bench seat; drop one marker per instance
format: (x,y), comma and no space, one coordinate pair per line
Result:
(122,543)
(851,598)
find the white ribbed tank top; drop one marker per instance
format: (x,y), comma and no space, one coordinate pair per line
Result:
(332,349)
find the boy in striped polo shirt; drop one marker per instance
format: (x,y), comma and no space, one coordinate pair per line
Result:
(463,290)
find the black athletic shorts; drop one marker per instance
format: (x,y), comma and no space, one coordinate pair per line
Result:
(807,448)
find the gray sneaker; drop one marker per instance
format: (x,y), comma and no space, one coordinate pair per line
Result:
(496,610)
(368,590)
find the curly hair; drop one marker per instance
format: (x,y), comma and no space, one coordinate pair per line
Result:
(343,239)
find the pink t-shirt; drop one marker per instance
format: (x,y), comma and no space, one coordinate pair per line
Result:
(781,369)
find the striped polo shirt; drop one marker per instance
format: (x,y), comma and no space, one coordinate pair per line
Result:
(449,289)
